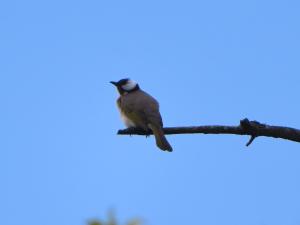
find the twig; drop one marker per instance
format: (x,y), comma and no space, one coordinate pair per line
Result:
(251,140)
(246,127)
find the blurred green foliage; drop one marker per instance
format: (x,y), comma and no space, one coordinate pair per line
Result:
(113,221)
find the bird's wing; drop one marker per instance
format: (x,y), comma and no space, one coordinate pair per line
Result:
(142,114)
(151,112)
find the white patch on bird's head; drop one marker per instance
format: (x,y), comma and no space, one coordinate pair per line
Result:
(130,85)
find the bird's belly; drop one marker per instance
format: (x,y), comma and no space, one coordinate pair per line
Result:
(127,121)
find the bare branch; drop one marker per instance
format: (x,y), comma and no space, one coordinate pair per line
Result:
(246,127)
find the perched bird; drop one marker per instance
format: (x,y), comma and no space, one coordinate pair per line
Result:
(140,110)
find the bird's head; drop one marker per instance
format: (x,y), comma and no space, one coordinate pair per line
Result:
(125,86)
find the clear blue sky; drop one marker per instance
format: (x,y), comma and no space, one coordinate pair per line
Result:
(207,62)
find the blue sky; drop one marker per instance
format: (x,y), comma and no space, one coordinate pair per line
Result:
(207,62)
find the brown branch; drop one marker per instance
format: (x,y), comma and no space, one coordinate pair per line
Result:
(246,127)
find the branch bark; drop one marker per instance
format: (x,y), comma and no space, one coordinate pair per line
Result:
(246,127)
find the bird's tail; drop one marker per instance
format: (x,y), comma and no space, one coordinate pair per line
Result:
(161,140)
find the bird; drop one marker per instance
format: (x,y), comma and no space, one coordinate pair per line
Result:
(140,110)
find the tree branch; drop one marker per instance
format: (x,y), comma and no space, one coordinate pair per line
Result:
(246,127)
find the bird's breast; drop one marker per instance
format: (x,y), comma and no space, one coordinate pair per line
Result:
(127,121)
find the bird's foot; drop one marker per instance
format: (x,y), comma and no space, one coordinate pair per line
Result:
(148,132)
(130,130)
(137,130)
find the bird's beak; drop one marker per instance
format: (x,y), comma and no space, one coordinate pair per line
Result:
(114,83)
